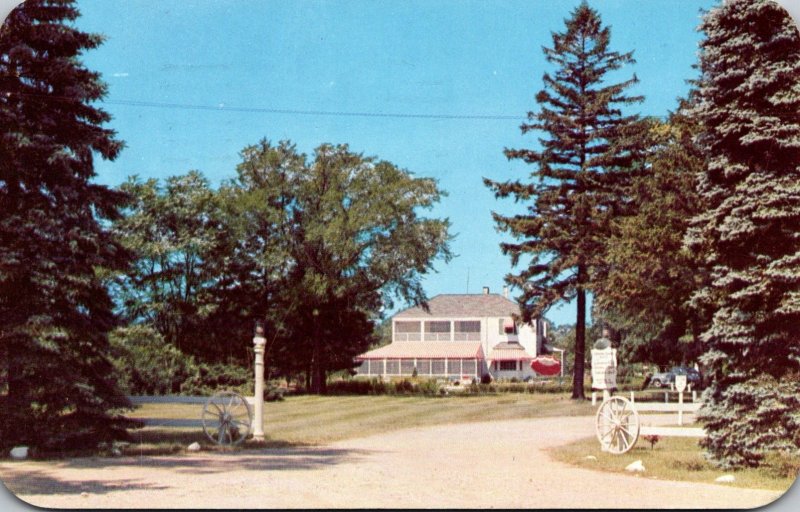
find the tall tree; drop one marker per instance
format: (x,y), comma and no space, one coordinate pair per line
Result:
(57,387)
(343,235)
(177,231)
(747,232)
(587,151)
(649,274)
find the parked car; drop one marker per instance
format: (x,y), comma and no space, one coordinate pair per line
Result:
(662,379)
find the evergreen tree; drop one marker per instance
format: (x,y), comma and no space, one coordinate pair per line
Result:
(748,231)
(57,383)
(587,152)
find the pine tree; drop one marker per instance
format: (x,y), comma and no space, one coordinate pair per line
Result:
(584,162)
(749,230)
(57,385)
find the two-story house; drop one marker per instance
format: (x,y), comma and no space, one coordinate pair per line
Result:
(460,336)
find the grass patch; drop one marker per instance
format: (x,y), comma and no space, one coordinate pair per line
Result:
(310,420)
(672,458)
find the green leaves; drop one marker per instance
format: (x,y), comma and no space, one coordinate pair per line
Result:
(313,246)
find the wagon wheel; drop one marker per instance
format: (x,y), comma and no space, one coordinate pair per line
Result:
(226,418)
(617,425)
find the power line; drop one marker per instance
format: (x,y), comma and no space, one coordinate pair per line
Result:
(224,108)
(267,110)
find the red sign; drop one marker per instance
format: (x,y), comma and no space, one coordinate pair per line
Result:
(546,365)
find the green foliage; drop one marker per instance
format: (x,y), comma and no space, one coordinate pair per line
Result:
(58,385)
(648,274)
(588,149)
(179,234)
(326,242)
(212,377)
(146,364)
(748,104)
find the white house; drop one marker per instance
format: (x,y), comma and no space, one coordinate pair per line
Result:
(461,336)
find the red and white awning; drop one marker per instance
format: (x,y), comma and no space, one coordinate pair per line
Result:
(426,350)
(509,351)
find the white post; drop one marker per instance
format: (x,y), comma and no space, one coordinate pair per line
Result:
(632,399)
(680,408)
(259,342)
(594,398)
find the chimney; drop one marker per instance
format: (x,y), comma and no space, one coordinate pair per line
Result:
(486,290)
(505,291)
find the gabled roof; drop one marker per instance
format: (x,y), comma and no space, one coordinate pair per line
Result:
(463,306)
(509,351)
(426,350)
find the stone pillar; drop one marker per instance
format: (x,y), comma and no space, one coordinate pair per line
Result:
(259,342)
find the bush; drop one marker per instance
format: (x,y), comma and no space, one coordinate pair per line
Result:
(210,378)
(403,387)
(146,364)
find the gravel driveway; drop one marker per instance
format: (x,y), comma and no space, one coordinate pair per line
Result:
(479,465)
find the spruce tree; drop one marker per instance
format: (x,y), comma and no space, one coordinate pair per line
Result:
(57,385)
(587,151)
(749,230)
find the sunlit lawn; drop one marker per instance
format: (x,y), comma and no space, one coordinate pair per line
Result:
(672,458)
(306,420)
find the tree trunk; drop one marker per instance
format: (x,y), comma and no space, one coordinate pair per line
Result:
(580,344)
(317,371)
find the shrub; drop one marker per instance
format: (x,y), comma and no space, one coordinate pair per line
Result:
(403,387)
(210,378)
(428,387)
(146,364)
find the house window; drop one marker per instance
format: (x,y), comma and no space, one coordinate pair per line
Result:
(406,331)
(501,324)
(508,366)
(407,366)
(437,366)
(437,331)
(454,367)
(423,366)
(470,367)
(467,330)
(392,367)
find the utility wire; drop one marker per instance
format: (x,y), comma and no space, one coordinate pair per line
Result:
(223,107)
(265,110)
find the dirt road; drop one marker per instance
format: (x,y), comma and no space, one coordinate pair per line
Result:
(485,465)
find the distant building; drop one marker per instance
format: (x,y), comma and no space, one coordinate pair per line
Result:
(461,336)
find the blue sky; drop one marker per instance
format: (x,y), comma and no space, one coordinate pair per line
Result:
(240,60)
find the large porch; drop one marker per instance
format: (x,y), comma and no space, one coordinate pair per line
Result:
(462,360)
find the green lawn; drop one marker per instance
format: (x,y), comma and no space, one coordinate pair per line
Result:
(306,420)
(672,458)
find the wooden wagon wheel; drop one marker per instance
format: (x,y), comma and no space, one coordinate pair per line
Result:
(226,418)
(617,425)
